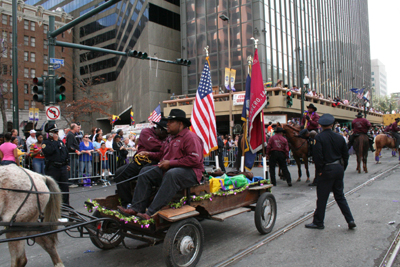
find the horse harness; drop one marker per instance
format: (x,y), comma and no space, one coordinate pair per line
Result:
(33,185)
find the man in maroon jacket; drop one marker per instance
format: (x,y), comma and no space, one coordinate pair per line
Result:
(180,166)
(360,125)
(309,121)
(278,152)
(151,139)
(394,128)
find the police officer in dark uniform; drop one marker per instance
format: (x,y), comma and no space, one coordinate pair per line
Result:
(331,159)
(56,160)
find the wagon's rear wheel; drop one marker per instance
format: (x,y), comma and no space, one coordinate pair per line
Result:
(265,214)
(183,243)
(110,234)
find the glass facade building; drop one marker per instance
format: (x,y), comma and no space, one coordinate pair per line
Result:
(330,37)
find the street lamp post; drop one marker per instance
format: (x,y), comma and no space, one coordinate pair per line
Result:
(225,18)
(306,82)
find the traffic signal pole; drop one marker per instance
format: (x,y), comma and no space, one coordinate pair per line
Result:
(14,67)
(50,92)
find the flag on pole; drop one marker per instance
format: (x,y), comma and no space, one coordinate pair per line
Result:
(359,92)
(156,114)
(249,156)
(132,120)
(203,115)
(366,96)
(114,119)
(257,102)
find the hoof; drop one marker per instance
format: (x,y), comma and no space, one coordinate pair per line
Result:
(308,181)
(366,171)
(298,180)
(359,171)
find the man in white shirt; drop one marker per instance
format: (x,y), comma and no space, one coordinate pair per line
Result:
(31,139)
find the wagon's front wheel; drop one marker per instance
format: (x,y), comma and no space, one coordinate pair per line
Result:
(183,243)
(265,214)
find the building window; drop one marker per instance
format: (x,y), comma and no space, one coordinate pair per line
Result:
(45,59)
(5,68)
(26,25)
(26,89)
(26,40)
(45,73)
(33,41)
(33,103)
(5,103)
(32,26)
(33,73)
(33,57)
(5,19)
(26,104)
(45,28)
(5,87)
(10,53)
(10,37)
(26,73)
(10,20)
(45,44)
(26,56)
(12,104)
(11,70)
(5,52)
(11,87)
(373,79)
(372,73)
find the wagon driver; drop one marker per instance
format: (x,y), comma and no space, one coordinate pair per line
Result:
(180,166)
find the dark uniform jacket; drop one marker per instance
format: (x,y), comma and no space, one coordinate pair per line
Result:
(329,147)
(278,143)
(360,125)
(55,152)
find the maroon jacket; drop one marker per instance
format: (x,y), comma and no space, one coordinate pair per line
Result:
(278,143)
(149,141)
(183,150)
(394,127)
(360,125)
(312,124)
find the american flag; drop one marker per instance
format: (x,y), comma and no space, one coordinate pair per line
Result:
(156,114)
(203,118)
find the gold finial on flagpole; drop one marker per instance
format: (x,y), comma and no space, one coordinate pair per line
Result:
(249,60)
(255,41)
(206,49)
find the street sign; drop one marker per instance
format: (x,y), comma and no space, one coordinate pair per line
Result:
(56,66)
(57,61)
(53,113)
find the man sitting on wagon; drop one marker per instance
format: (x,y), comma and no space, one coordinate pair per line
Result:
(181,166)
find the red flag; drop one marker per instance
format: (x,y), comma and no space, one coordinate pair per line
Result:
(257,102)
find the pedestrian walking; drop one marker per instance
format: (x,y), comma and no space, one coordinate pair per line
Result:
(278,152)
(331,159)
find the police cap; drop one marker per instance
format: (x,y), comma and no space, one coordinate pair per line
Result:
(326,119)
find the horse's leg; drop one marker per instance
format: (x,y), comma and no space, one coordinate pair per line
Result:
(48,243)
(377,152)
(298,163)
(17,251)
(306,166)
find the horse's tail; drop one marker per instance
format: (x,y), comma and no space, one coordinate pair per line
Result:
(52,212)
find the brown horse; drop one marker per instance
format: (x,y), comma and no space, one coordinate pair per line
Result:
(382,140)
(299,147)
(361,146)
(14,177)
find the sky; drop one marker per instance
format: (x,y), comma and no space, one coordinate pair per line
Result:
(384,38)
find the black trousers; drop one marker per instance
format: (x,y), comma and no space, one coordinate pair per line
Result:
(124,173)
(221,161)
(331,180)
(60,174)
(397,136)
(280,158)
(170,183)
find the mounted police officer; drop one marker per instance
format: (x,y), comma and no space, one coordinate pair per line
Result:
(309,122)
(360,125)
(394,128)
(56,160)
(331,158)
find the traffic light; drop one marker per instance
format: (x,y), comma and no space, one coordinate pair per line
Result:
(60,89)
(184,62)
(38,89)
(289,99)
(137,54)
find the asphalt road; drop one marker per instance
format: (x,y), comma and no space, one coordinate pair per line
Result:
(373,207)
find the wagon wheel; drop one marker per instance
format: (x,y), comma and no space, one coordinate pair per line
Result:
(265,214)
(109,236)
(183,243)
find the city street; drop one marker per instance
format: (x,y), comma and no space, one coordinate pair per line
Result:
(373,206)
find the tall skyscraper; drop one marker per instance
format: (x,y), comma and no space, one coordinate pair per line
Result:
(378,77)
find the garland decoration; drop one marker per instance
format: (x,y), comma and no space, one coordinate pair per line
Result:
(209,197)
(117,214)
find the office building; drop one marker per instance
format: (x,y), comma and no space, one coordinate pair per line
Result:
(330,37)
(378,77)
(33,60)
